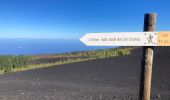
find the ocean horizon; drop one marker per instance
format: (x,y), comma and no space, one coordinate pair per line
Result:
(23,46)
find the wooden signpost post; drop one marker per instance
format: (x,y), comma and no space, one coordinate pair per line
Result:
(147,60)
(148,39)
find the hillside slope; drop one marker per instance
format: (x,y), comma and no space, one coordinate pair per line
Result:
(102,79)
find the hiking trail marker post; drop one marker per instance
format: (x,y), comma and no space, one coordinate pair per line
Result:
(148,39)
(147,59)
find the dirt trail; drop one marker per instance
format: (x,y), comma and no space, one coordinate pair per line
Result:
(103,79)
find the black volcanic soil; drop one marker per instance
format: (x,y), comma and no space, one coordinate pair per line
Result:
(103,79)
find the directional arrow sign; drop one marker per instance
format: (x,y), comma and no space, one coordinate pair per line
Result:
(127,39)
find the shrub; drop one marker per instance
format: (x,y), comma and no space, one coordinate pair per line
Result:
(8,62)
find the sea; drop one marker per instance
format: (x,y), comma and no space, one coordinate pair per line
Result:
(20,46)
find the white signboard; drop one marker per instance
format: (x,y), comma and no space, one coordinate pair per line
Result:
(121,39)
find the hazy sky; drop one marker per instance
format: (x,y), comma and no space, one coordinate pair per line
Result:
(74,18)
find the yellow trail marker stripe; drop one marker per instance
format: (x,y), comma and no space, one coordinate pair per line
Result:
(163,39)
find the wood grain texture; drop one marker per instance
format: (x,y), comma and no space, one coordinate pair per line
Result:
(147,60)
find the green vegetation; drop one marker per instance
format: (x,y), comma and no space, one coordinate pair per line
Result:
(11,63)
(102,53)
